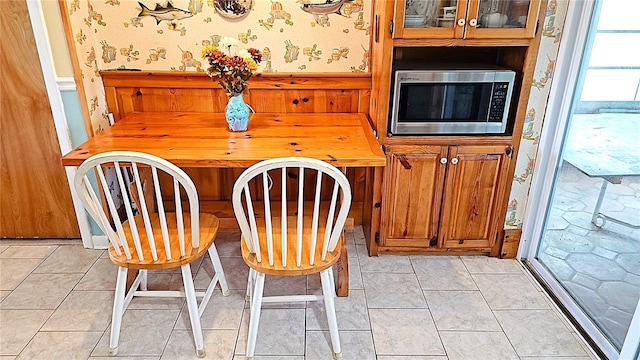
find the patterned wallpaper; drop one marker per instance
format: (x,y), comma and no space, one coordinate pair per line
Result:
(294,36)
(543,75)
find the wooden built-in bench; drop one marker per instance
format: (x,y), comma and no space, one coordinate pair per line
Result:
(130,92)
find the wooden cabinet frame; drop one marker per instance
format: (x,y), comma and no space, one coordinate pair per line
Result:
(513,51)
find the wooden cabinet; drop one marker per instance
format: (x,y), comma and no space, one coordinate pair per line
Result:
(444,197)
(413,186)
(448,192)
(465,19)
(474,189)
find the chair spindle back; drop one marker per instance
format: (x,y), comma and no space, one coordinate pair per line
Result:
(138,230)
(327,221)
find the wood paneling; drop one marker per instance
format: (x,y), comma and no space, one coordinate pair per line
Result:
(36,200)
(214,100)
(129,92)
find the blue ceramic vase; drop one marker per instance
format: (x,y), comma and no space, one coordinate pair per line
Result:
(237,113)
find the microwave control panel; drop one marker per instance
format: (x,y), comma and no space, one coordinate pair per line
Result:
(498,101)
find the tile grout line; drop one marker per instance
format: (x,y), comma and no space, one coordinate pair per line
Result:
(491,309)
(370,331)
(52,310)
(565,321)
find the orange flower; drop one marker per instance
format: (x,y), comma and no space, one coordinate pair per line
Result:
(231,72)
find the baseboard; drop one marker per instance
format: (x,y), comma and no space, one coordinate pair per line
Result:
(100,241)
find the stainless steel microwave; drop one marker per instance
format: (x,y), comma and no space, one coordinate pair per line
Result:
(451,101)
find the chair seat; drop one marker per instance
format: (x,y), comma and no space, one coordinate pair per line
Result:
(291,269)
(209,224)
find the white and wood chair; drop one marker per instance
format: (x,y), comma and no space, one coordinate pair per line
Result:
(308,242)
(152,240)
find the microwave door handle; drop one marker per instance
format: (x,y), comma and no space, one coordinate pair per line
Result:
(443,108)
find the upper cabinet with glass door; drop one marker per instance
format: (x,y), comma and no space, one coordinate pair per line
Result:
(465,19)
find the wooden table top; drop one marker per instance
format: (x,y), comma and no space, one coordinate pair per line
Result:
(203,140)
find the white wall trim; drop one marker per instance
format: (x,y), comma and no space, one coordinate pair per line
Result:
(66,83)
(100,242)
(57,109)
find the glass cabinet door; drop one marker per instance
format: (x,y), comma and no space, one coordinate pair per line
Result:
(466,19)
(430,13)
(502,14)
(502,18)
(428,18)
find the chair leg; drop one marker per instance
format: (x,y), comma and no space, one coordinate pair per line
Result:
(192,305)
(118,310)
(329,292)
(217,267)
(256,305)
(143,280)
(250,283)
(332,278)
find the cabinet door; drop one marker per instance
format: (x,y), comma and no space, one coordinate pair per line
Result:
(429,19)
(413,186)
(468,19)
(475,185)
(496,19)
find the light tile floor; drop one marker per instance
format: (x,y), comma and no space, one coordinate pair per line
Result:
(57,298)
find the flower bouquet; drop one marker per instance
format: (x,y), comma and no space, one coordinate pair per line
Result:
(233,73)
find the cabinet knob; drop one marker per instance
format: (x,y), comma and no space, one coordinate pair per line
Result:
(443,160)
(454,161)
(473,22)
(461,22)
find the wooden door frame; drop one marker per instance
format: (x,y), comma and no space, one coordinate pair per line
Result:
(60,120)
